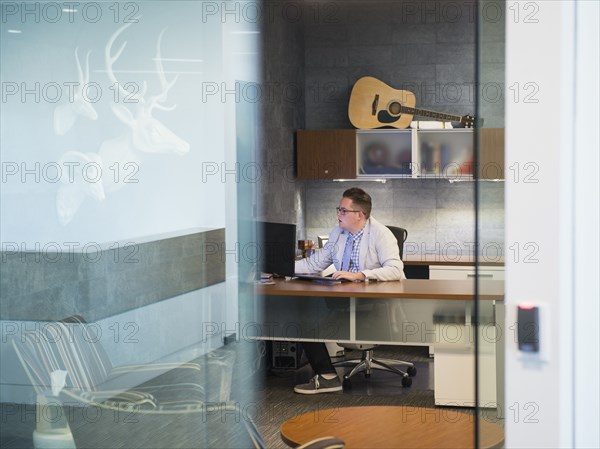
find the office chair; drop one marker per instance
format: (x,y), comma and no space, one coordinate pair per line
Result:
(103,404)
(401,234)
(319,443)
(367,362)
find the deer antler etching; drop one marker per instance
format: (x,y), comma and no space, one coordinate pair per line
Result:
(75,185)
(148,134)
(65,115)
(145,134)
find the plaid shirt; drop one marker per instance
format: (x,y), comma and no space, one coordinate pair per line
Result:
(354,263)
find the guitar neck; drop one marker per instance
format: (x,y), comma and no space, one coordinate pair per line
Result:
(431,114)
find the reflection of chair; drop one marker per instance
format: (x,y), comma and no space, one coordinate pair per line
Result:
(319,443)
(367,362)
(112,406)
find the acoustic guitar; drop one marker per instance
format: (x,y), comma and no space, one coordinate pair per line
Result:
(374,104)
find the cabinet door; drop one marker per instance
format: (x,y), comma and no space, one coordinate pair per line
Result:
(326,154)
(445,154)
(491,153)
(384,153)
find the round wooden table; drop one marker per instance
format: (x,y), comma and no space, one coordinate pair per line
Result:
(392,427)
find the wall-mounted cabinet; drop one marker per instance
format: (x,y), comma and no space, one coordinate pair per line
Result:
(415,153)
(491,153)
(326,154)
(384,153)
(399,153)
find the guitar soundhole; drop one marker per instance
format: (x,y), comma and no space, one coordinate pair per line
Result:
(395,108)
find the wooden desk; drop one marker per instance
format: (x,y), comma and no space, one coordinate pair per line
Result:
(416,312)
(297,304)
(392,427)
(408,288)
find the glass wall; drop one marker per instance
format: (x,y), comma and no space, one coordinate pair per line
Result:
(122,124)
(491,336)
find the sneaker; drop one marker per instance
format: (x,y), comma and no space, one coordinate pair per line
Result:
(319,384)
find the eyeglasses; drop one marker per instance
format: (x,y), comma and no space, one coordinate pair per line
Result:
(344,211)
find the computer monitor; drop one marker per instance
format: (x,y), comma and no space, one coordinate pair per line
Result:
(277,248)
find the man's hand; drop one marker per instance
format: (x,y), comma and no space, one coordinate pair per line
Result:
(350,276)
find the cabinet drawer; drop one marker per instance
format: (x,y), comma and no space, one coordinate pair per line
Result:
(454,378)
(465,272)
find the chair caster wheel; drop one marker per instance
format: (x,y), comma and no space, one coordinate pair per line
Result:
(406,381)
(347,384)
(411,371)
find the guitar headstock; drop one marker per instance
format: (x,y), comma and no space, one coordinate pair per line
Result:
(468,121)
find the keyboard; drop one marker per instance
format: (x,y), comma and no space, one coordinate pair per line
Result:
(319,278)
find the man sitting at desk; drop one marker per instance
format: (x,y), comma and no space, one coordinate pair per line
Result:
(361,249)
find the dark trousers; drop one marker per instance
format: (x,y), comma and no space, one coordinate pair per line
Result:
(318,357)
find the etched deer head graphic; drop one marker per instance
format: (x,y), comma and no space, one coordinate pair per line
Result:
(148,134)
(77,184)
(145,134)
(65,115)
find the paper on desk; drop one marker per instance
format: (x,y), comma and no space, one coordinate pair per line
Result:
(329,270)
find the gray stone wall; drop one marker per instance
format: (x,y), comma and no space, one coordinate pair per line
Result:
(283,114)
(426,47)
(51,286)
(492,89)
(438,215)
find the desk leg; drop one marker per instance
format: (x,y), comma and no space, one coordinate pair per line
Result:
(352,319)
(499,314)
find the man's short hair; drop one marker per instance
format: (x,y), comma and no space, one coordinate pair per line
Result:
(359,198)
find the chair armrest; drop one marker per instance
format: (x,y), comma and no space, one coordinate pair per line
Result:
(161,367)
(140,402)
(323,443)
(129,399)
(130,376)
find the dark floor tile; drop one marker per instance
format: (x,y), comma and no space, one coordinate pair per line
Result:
(16,443)
(278,402)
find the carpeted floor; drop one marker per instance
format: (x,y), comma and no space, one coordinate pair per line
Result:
(278,402)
